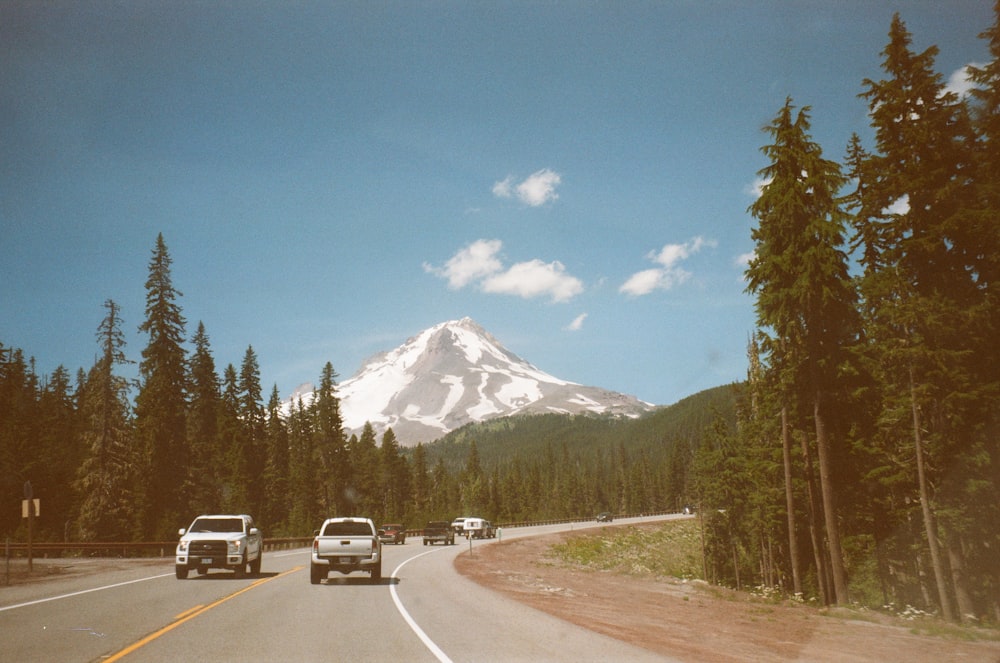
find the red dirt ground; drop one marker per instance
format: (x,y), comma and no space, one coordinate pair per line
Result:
(695,622)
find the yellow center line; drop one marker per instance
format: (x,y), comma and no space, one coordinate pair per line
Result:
(191,614)
(188,611)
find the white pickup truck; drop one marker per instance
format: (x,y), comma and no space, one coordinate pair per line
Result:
(345,545)
(219,542)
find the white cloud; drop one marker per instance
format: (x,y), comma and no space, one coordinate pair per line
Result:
(577,323)
(534,279)
(474,262)
(539,188)
(900,206)
(504,188)
(959,82)
(670,273)
(478,262)
(756,188)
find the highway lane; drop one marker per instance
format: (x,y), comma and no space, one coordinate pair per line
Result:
(145,614)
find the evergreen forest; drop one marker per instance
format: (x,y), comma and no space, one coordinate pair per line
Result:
(858,463)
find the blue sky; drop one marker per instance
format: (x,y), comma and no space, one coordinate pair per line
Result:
(331,178)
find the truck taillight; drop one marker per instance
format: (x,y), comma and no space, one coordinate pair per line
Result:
(374,544)
(315,545)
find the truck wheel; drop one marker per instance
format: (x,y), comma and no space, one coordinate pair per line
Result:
(181,571)
(316,574)
(377,572)
(255,565)
(241,570)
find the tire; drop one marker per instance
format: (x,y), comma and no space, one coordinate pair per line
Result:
(181,571)
(255,565)
(316,574)
(377,573)
(241,570)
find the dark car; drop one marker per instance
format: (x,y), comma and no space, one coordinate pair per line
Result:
(393,533)
(604,517)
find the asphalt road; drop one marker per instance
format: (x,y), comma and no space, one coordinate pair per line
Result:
(421,611)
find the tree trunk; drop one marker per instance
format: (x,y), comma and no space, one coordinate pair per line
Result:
(793,545)
(930,527)
(966,606)
(815,533)
(829,505)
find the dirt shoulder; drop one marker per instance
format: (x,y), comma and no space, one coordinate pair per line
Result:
(695,622)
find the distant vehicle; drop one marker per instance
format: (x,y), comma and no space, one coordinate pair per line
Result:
(219,542)
(458,525)
(439,531)
(688,509)
(344,545)
(604,517)
(393,533)
(477,528)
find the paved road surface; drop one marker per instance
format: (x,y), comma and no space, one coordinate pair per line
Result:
(421,611)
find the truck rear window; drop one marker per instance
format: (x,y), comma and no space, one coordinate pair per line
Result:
(347,529)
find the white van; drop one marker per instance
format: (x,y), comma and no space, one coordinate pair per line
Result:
(477,528)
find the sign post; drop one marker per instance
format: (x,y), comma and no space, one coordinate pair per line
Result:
(30,504)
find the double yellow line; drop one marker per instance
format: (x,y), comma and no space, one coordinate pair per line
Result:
(188,615)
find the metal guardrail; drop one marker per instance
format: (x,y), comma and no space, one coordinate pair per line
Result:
(45,549)
(122,549)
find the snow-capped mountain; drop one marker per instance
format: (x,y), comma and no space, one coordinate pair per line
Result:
(455,373)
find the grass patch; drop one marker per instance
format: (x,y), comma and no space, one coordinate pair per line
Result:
(668,549)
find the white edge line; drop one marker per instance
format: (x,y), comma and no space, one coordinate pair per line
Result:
(84,591)
(440,655)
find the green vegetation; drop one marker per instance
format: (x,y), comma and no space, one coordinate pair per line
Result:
(671,550)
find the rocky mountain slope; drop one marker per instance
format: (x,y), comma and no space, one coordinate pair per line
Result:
(455,373)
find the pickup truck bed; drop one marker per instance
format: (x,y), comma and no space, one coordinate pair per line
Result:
(345,545)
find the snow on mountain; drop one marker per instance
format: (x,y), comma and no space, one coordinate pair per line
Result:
(455,373)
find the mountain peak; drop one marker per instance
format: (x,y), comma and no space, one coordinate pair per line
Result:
(456,373)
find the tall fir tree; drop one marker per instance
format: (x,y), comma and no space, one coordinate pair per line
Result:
(108,477)
(203,426)
(277,501)
(330,445)
(252,424)
(804,295)
(160,406)
(925,315)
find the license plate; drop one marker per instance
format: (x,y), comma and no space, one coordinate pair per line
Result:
(206,560)
(346,560)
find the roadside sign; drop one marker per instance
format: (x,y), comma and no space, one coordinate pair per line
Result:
(37,503)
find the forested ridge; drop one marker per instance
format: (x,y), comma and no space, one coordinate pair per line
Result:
(859,462)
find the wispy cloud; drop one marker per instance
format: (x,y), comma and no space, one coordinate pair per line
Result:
(670,273)
(478,263)
(577,323)
(539,188)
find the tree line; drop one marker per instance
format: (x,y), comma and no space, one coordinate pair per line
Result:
(115,459)
(864,466)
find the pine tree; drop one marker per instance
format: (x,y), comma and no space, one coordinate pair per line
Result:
(203,426)
(107,478)
(924,309)
(251,416)
(804,295)
(395,477)
(232,478)
(277,502)
(160,405)
(330,445)
(61,453)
